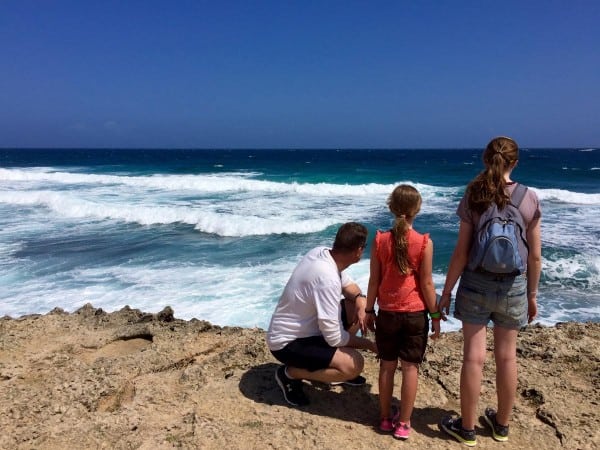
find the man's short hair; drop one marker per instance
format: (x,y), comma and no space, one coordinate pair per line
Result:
(350,236)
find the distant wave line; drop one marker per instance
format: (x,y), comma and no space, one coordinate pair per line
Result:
(231,225)
(242,182)
(564,196)
(214,183)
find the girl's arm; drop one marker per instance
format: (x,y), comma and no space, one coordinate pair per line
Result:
(427,286)
(374,280)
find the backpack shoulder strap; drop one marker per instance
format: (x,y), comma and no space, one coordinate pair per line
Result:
(518,195)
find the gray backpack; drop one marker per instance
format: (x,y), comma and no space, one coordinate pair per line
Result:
(499,245)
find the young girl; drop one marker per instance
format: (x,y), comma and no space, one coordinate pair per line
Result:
(401,283)
(509,301)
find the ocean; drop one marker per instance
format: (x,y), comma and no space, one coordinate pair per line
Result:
(215,234)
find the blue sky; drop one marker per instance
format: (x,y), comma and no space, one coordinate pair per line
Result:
(299,74)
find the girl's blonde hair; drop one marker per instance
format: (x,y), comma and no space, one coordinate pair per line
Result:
(405,203)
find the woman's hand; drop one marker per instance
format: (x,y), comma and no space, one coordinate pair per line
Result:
(531,306)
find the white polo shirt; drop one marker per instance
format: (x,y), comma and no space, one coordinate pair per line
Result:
(310,303)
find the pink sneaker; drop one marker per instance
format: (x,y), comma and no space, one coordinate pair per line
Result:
(388,424)
(402,430)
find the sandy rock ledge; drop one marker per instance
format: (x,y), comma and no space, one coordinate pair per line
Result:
(129,379)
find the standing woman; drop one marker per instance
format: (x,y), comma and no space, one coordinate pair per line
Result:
(402,285)
(509,301)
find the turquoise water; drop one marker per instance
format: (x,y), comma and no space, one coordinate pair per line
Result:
(216,233)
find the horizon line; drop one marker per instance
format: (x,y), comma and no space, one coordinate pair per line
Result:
(290,148)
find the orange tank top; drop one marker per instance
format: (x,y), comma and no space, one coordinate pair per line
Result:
(399,292)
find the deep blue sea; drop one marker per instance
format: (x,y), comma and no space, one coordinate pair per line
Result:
(215,234)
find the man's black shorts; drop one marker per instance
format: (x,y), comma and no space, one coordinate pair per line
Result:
(310,353)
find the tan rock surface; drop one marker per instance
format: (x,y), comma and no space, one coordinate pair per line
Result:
(134,380)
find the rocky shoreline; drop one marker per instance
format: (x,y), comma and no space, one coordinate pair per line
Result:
(129,379)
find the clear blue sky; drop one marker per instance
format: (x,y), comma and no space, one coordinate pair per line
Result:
(295,74)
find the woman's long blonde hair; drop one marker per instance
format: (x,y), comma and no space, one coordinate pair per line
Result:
(489,186)
(405,203)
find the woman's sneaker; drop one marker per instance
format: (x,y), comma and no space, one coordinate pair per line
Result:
(455,429)
(388,424)
(402,431)
(499,432)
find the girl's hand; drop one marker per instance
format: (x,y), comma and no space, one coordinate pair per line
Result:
(370,322)
(435,328)
(444,305)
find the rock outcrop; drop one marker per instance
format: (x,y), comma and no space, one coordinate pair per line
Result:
(129,379)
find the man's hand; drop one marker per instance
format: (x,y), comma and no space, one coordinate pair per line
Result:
(353,329)
(373,347)
(362,319)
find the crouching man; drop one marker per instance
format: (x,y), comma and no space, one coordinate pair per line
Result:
(312,332)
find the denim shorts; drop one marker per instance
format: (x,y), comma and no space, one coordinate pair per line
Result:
(482,297)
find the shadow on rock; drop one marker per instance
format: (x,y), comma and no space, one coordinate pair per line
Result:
(353,404)
(347,403)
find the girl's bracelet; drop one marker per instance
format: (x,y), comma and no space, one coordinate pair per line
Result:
(435,315)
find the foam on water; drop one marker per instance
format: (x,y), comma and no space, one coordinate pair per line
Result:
(213,183)
(564,196)
(226,205)
(43,206)
(579,270)
(243,296)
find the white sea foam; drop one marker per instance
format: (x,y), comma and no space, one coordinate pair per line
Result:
(580,269)
(243,296)
(34,201)
(224,224)
(213,183)
(564,196)
(225,204)
(244,182)
(231,204)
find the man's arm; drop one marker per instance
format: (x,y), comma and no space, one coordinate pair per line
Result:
(328,304)
(361,342)
(355,301)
